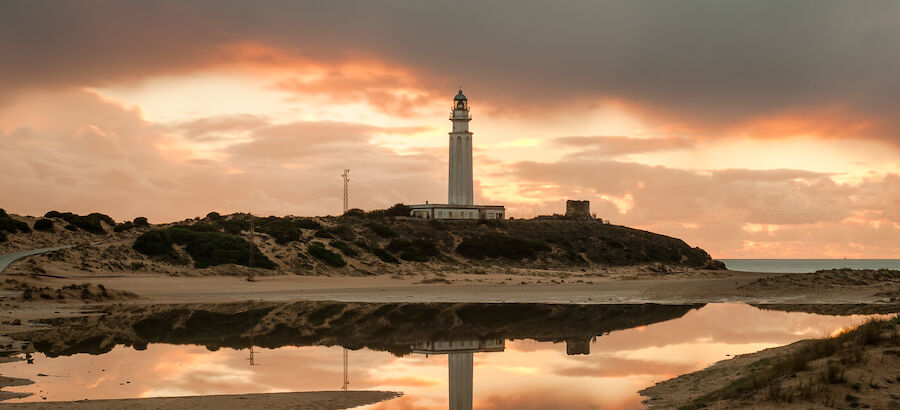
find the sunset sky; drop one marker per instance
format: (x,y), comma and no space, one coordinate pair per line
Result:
(763,129)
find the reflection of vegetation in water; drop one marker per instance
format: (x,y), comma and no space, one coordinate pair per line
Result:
(389,326)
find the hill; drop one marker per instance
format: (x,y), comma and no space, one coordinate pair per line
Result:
(353,244)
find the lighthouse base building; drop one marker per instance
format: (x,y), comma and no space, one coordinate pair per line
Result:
(459,187)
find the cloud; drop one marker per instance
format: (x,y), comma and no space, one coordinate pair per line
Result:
(807,213)
(101,157)
(710,66)
(613,146)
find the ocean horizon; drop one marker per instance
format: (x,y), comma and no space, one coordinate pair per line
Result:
(807,265)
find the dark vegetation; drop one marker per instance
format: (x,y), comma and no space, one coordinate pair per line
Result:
(140,222)
(346,248)
(318,251)
(205,248)
(43,225)
(8,224)
(497,245)
(384,256)
(416,250)
(89,223)
(845,350)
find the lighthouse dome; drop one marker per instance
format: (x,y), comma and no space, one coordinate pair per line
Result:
(460,96)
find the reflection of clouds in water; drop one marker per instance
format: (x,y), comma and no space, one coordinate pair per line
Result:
(528,375)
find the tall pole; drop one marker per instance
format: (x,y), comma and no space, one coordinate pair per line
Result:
(346,378)
(251,277)
(346,176)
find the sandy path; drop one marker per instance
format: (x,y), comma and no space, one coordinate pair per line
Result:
(301,400)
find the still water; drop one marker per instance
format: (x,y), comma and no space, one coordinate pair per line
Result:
(605,370)
(807,265)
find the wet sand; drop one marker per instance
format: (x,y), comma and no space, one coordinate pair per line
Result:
(323,400)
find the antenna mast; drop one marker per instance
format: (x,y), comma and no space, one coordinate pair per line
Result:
(346,176)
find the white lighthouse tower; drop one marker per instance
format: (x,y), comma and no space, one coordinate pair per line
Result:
(460,186)
(460,198)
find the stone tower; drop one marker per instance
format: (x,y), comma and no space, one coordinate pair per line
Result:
(460,186)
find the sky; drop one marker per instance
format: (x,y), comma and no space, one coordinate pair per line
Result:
(758,129)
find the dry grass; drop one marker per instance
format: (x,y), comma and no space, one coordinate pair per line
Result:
(777,379)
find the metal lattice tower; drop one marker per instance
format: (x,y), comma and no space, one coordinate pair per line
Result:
(346,378)
(346,176)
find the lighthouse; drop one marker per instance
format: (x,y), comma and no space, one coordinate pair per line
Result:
(460,193)
(460,178)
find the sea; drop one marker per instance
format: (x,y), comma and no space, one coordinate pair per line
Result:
(807,265)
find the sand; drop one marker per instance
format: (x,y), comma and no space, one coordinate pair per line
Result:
(321,400)
(855,292)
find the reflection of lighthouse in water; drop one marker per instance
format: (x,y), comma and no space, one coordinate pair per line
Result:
(459,361)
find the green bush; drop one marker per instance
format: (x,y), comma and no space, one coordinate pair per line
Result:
(213,216)
(44,225)
(355,213)
(307,223)
(154,243)
(122,227)
(140,222)
(381,230)
(398,210)
(11,225)
(204,227)
(494,245)
(217,248)
(90,223)
(206,248)
(345,248)
(2,236)
(324,233)
(284,230)
(417,250)
(384,255)
(235,226)
(71,227)
(318,251)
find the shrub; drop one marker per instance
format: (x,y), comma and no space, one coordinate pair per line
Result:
(384,255)
(495,245)
(154,243)
(284,230)
(355,213)
(125,226)
(204,227)
(318,251)
(345,248)
(71,227)
(213,216)
(140,222)
(11,225)
(398,210)
(90,223)
(44,224)
(324,233)
(2,236)
(206,248)
(307,223)
(417,250)
(217,248)
(235,226)
(381,230)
